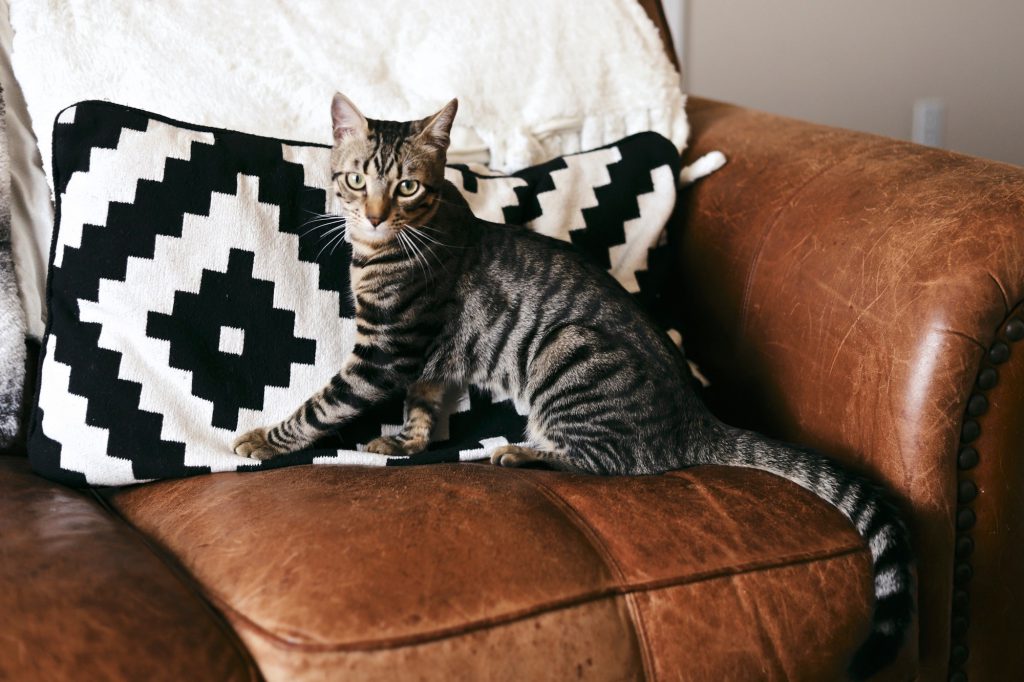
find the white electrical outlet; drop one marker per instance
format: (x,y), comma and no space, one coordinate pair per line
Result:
(929,126)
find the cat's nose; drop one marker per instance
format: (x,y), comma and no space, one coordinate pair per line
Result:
(375,220)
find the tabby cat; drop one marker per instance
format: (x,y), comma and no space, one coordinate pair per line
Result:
(444,299)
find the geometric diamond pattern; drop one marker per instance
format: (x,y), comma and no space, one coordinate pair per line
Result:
(192,296)
(193,329)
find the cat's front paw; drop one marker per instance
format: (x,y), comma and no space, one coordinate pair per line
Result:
(254,444)
(393,447)
(514,456)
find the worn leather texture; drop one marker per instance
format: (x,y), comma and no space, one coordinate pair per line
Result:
(454,571)
(840,289)
(84,598)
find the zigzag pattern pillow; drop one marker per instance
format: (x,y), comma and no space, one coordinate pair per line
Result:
(191,295)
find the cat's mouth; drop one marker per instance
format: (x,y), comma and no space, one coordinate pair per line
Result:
(370,235)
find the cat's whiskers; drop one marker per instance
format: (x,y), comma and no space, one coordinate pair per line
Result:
(436,230)
(330,227)
(403,240)
(424,266)
(335,240)
(314,216)
(321,223)
(333,227)
(322,250)
(426,247)
(401,243)
(323,219)
(306,210)
(339,240)
(419,249)
(407,250)
(416,230)
(424,226)
(333,234)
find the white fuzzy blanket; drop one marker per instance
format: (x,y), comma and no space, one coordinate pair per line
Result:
(535,78)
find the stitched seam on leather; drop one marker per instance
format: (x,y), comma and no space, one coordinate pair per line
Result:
(595,540)
(523,614)
(181,574)
(752,271)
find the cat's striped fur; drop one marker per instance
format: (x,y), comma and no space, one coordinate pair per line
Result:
(444,299)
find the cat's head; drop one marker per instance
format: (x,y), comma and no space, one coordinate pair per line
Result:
(386,174)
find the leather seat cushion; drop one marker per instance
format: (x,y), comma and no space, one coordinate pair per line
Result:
(453,570)
(82,596)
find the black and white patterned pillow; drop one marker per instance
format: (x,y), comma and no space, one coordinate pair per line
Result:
(191,295)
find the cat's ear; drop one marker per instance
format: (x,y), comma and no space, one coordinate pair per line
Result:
(435,130)
(346,118)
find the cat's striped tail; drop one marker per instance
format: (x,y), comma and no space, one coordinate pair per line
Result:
(867,507)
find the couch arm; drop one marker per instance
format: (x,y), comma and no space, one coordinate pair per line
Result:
(83,598)
(862,295)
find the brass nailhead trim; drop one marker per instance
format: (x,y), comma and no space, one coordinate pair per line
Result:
(1014,329)
(962,574)
(967,459)
(998,353)
(970,431)
(967,491)
(978,405)
(988,378)
(960,601)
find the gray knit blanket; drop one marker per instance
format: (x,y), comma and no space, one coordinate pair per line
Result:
(12,316)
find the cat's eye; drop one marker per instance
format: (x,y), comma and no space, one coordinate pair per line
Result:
(408,187)
(355,180)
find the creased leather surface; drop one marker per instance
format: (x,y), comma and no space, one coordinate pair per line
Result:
(453,568)
(774,633)
(585,642)
(83,598)
(840,289)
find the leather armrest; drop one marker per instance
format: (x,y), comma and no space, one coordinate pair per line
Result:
(846,289)
(84,598)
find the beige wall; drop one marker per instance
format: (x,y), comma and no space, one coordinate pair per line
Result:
(862,64)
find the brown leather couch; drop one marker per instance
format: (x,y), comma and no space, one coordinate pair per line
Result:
(858,294)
